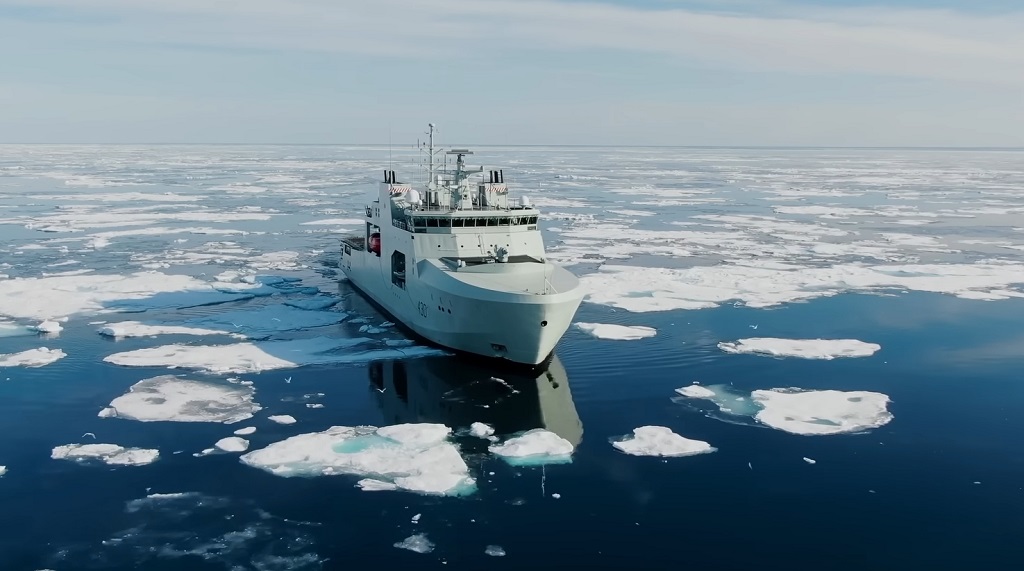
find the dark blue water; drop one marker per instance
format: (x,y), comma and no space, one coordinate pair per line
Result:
(941,486)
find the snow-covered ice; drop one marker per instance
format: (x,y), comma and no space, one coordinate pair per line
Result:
(494,551)
(3,470)
(537,446)
(58,296)
(803,348)
(282,419)
(696,391)
(412,457)
(821,412)
(810,460)
(109,453)
(264,355)
(246,431)
(618,332)
(171,398)
(417,543)
(660,441)
(31,358)
(232,444)
(49,326)
(126,329)
(481,430)
(766,284)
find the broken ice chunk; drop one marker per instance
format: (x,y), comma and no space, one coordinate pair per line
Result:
(108,453)
(170,398)
(660,441)
(534,447)
(417,543)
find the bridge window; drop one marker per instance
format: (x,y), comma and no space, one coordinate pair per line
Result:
(446,222)
(398,269)
(458,222)
(432,222)
(533,220)
(503,222)
(419,222)
(492,221)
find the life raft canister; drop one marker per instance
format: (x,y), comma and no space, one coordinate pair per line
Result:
(375,243)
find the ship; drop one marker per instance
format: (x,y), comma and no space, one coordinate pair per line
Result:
(460,263)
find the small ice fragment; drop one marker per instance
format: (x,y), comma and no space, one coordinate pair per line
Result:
(802,348)
(417,543)
(556,496)
(108,412)
(372,485)
(232,444)
(3,470)
(48,326)
(696,391)
(750,465)
(537,446)
(245,431)
(617,332)
(660,441)
(481,430)
(108,453)
(282,419)
(810,461)
(976,483)
(204,452)
(314,405)
(416,518)
(495,551)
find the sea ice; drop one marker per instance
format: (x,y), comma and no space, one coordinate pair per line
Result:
(49,326)
(3,470)
(335,222)
(108,453)
(136,329)
(263,355)
(481,430)
(494,551)
(313,303)
(170,398)
(537,446)
(696,391)
(660,441)
(232,444)
(8,329)
(619,332)
(246,431)
(412,457)
(417,543)
(31,358)
(821,412)
(803,348)
(809,460)
(282,419)
(761,284)
(57,296)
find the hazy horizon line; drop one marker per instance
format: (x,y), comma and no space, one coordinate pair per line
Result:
(411,146)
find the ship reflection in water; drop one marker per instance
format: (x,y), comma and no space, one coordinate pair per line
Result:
(458,392)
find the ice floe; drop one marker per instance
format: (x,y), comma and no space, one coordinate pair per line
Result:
(660,441)
(494,551)
(3,470)
(109,453)
(246,431)
(335,222)
(537,446)
(282,419)
(803,348)
(264,355)
(126,329)
(232,444)
(57,296)
(821,412)
(170,398)
(8,329)
(481,430)
(411,457)
(618,332)
(49,326)
(31,358)
(800,411)
(417,543)
(761,284)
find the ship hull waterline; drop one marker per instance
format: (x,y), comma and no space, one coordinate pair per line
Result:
(519,329)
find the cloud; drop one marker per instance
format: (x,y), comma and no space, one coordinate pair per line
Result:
(920,43)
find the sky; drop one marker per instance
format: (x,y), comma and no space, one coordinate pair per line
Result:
(514,72)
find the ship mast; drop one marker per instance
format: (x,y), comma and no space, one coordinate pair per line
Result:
(431,185)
